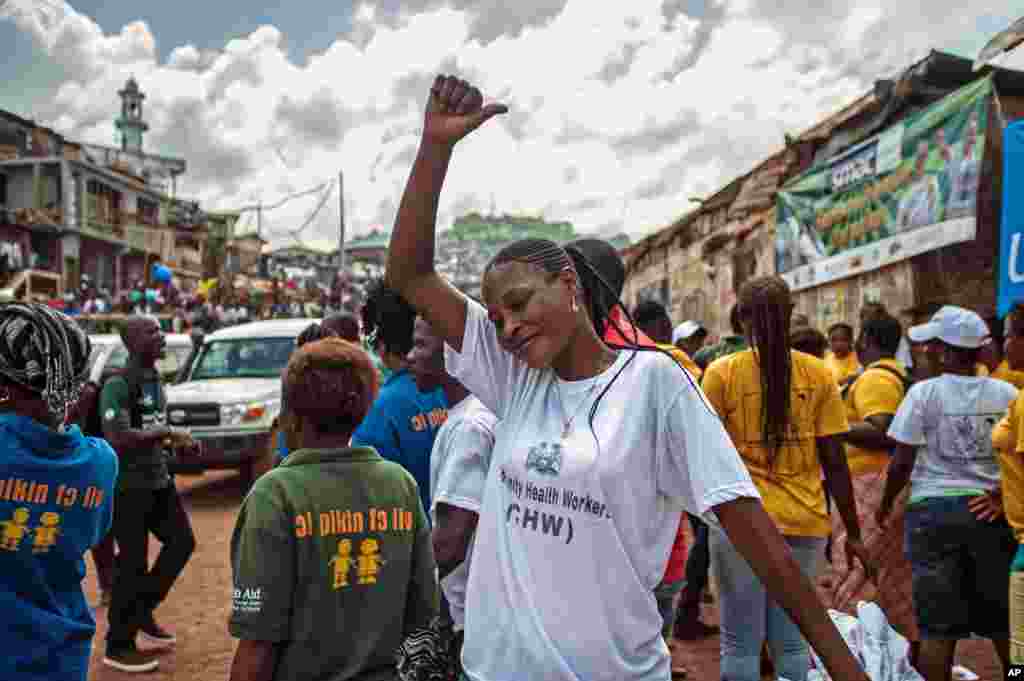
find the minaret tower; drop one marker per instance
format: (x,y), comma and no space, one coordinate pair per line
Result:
(130,123)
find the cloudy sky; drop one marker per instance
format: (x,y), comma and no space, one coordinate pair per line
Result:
(620,111)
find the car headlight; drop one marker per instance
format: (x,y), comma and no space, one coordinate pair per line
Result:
(247,413)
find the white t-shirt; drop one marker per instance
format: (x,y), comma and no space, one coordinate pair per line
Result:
(950,418)
(574,535)
(458,470)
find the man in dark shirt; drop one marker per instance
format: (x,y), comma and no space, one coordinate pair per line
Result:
(132,409)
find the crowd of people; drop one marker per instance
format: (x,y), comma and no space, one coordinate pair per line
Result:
(505,488)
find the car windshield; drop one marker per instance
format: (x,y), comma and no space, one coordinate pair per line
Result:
(243,358)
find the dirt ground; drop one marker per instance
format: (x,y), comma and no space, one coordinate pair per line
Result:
(197,609)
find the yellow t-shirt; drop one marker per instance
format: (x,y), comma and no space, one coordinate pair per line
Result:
(842,368)
(791,488)
(1014,378)
(684,359)
(877,391)
(1008,441)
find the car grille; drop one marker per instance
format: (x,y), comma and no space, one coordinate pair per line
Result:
(194,415)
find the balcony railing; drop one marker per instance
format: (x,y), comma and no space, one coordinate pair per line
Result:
(35,216)
(157,241)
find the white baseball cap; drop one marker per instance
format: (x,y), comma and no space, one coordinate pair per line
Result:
(685,330)
(954,326)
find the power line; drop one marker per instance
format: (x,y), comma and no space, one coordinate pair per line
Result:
(296,234)
(283,201)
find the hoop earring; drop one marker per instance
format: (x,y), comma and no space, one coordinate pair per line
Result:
(5,397)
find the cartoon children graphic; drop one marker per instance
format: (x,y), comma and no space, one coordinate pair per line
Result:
(370,561)
(46,533)
(343,563)
(15,530)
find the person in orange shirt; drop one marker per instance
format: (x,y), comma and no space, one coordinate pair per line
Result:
(656,328)
(619,330)
(783,411)
(841,360)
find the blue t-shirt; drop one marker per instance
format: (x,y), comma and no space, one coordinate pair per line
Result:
(402,425)
(56,503)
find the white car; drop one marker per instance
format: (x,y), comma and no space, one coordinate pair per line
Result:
(231,393)
(109,354)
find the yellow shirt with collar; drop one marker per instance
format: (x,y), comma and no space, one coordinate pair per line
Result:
(1004,373)
(877,391)
(683,359)
(1008,441)
(842,369)
(791,486)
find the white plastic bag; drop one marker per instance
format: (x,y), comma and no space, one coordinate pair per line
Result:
(881,651)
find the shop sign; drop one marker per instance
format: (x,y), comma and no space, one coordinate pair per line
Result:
(909,190)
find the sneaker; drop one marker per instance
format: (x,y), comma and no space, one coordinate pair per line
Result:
(156,636)
(130,660)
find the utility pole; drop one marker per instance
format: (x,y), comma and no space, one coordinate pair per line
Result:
(341,211)
(259,219)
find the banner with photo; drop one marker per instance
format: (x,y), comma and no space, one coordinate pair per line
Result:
(910,189)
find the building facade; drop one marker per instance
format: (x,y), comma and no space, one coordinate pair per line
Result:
(863,207)
(69,210)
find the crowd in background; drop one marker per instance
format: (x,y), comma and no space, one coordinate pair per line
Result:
(502,489)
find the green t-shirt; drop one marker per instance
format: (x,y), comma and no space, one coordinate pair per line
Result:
(729,345)
(144,468)
(332,559)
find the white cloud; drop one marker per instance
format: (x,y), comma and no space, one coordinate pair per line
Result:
(620,111)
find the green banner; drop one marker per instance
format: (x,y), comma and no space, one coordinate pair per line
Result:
(911,189)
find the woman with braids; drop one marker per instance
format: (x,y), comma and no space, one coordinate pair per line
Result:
(403,422)
(331,556)
(56,496)
(784,414)
(599,449)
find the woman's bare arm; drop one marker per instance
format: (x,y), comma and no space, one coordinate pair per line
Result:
(454,109)
(758,540)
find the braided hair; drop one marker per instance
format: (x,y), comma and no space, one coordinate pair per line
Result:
(602,275)
(766,303)
(45,352)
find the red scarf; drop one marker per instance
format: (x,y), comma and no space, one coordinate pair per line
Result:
(675,569)
(617,320)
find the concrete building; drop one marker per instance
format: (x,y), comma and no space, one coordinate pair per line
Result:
(302,263)
(70,209)
(696,265)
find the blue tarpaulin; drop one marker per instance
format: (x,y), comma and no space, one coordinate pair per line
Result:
(1011,233)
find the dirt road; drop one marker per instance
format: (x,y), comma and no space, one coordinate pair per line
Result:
(198,607)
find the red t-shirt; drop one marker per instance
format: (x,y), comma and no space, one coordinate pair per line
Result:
(676,568)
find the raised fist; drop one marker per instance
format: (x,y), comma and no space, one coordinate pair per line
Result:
(455,109)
